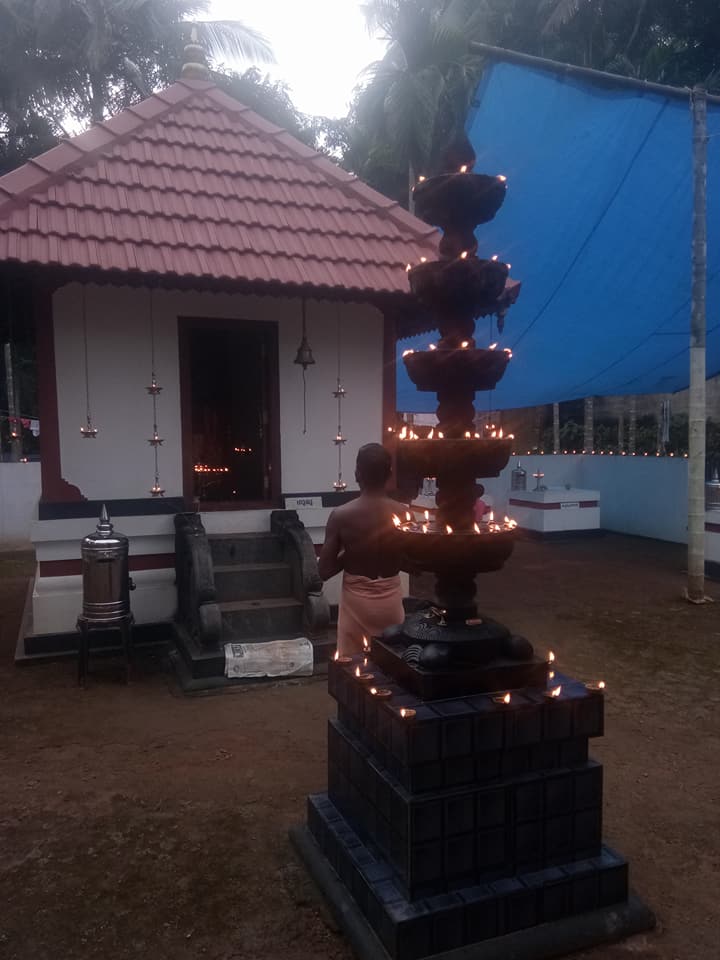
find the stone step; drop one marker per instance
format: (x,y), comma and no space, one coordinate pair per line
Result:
(229,548)
(255,619)
(250,581)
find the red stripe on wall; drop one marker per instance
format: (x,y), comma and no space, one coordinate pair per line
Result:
(712,527)
(72,568)
(550,506)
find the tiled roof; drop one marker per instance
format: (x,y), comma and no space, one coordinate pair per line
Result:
(191,183)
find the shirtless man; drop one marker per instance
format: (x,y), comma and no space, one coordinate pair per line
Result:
(359,541)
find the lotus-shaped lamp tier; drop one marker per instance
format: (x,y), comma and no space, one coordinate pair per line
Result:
(476,369)
(464,285)
(473,457)
(442,553)
(459,199)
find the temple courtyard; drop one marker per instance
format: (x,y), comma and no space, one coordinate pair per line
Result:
(136,822)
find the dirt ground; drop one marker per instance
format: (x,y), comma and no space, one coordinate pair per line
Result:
(138,823)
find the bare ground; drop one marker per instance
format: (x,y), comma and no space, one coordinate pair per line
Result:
(138,823)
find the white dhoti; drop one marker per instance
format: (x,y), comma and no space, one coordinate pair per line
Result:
(367,607)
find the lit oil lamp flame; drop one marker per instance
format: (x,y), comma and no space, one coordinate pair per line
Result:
(494,256)
(463,255)
(500,433)
(492,516)
(509,266)
(508,351)
(556,691)
(441,435)
(407,713)
(551,675)
(427,516)
(406,353)
(493,346)
(432,346)
(357,671)
(465,344)
(551,657)
(468,435)
(502,178)
(408,268)
(448,528)
(463,168)
(366,643)
(424,528)
(421,179)
(403,433)
(396,520)
(337,655)
(493,434)
(476,528)
(477,436)
(373,690)
(408,516)
(431,434)
(423,259)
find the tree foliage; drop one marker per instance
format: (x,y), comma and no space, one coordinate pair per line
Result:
(69,62)
(413,102)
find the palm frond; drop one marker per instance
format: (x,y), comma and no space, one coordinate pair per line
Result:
(562,12)
(232,39)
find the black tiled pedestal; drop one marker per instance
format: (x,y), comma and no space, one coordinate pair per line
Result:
(471,824)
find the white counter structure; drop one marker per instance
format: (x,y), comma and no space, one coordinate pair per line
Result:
(555,510)
(712,544)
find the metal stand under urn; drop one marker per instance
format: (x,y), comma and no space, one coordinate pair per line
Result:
(106,590)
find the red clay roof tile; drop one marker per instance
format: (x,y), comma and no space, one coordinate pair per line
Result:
(190,183)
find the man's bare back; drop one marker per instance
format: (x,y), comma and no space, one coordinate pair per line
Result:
(359,538)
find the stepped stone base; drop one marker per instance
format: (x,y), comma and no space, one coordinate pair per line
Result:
(396,930)
(450,825)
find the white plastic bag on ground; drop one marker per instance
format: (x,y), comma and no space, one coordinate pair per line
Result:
(276,658)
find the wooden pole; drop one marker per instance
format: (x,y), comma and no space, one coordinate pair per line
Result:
(696,460)
(556,428)
(621,425)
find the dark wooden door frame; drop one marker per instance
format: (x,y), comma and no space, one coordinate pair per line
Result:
(269,330)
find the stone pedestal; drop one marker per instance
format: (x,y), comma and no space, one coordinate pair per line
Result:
(469,821)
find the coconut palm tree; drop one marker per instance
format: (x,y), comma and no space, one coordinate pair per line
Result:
(89,43)
(415,99)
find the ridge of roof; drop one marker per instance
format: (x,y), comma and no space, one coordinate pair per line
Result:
(73,153)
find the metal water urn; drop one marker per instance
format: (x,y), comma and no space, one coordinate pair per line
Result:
(106,582)
(518,478)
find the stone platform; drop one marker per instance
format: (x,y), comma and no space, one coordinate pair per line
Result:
(467,821)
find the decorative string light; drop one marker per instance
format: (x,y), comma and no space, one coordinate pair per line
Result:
(89,431)
(154,389)
(339,393)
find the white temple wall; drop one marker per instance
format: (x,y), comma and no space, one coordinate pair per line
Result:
(118,463)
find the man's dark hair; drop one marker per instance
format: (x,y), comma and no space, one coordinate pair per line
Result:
(373,466)
(479,489)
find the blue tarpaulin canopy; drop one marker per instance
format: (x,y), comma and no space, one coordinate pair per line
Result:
(597,225)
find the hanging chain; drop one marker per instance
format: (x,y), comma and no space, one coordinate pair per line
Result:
(155,441)
(339,395)
(88,431)
(304,367)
